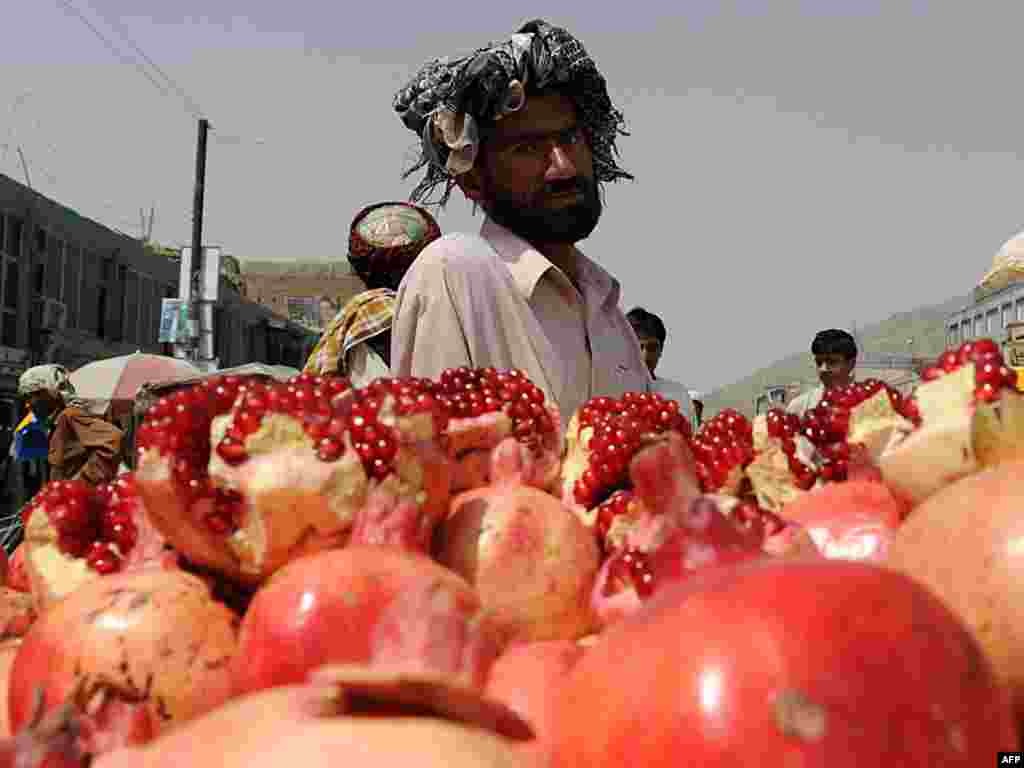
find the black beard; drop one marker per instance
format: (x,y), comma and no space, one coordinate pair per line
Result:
(537,224)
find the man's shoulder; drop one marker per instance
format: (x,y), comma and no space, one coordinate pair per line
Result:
(457,250)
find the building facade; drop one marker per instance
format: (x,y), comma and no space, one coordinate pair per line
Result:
(73,291)
(293,288)
(988,317)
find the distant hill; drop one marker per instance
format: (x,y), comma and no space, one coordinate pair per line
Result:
(925,325)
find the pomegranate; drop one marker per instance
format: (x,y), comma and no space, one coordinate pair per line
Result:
(485,406)
(306,725)
(675,532)
(602,438)
(8,649)
(132,654)
(293,464)
(17,613)
(972,416)
(75,532)
(964,543)
(529,557)
(528,678)
(17,574)
(812,663)
(855,520)
(366,605)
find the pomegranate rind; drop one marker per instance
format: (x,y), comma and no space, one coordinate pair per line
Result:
(998,430)
(941,450)
(876,424)
(771,478)
(350,688)
(155,638)
(52,574)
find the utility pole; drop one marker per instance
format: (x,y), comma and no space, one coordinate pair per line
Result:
(192,258)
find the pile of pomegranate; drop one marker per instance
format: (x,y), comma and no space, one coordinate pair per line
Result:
(444,573)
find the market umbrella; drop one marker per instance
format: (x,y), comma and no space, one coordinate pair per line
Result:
(120,378)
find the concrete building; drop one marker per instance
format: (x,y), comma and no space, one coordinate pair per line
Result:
(73,291)
(998,299)
(293,288)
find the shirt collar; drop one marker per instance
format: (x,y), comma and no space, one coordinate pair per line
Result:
(528,266)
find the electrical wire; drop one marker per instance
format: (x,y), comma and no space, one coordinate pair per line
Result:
(119,27)
(118,52)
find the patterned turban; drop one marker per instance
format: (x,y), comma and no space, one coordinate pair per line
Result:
(447,101)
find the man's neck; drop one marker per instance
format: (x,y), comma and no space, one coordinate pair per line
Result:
(562,255)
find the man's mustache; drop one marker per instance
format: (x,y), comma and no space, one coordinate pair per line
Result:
(565,186)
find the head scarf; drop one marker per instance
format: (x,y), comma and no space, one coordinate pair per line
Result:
(53,379)
(385,239)
(366,315)
(448,102)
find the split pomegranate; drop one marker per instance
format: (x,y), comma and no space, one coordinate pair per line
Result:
(675,532)
(132,654)
(813,663)
(485,406)
(293,465)
(364,605)
(530,558)
(991,374)
(75,532)
(604,435)
(722,447)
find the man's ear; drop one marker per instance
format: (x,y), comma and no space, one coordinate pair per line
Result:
(471,184)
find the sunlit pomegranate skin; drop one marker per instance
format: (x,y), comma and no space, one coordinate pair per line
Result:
(364,605)
(812,663)
(278,727)
(529,557)
(133,654)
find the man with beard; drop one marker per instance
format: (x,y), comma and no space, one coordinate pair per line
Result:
(526,130)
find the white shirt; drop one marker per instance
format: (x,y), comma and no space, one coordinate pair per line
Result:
(673,390)
(805,401)
(493,300)
(364,365)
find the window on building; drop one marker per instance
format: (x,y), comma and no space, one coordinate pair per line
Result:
(951,336)
(1007,315)
(88,315)
(3,229)
(130,315)
(1020,310)
(965,329)
(14,228)
(54,276)
(11,275)
(72,283)
(991,321)
(979,326)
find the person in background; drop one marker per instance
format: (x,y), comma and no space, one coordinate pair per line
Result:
(835,357)
(328,310)
(384,240)
(82,446)
(650,330)
(697,398)
(525,129)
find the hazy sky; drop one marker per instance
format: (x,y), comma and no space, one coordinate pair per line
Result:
(799,165)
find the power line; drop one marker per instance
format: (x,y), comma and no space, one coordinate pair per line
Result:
(113,48)
(192,106)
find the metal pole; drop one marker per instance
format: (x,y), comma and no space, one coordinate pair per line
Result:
(197,222)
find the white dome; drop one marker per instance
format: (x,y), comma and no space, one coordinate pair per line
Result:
(1011,252)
